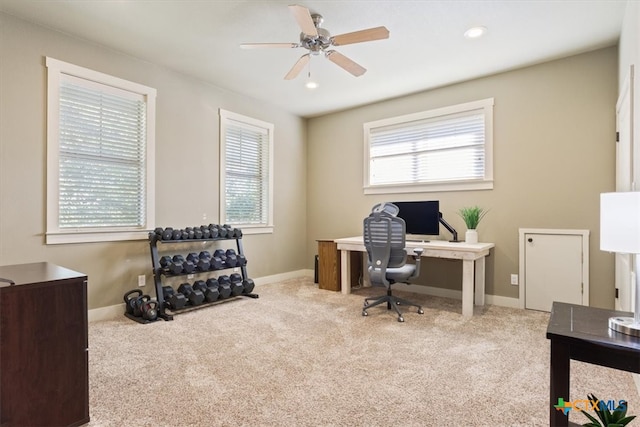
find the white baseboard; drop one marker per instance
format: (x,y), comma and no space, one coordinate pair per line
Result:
(115,311)
(429,290)
(502,301)
(455,294)
(105,313)
(282,276)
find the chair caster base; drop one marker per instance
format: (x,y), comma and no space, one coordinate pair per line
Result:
(364,313)
(420,311)
(401,319)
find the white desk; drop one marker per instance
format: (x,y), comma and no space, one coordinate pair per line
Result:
(471,254)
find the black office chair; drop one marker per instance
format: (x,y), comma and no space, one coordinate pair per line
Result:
(384,239)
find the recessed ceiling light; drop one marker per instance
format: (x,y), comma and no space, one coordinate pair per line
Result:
(475,32)
(311,84)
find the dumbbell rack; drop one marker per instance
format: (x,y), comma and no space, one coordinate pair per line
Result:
(159,273)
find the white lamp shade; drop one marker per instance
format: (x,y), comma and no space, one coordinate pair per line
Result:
(620,222)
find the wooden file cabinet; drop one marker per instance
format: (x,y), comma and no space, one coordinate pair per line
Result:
(329,266)
(44,378)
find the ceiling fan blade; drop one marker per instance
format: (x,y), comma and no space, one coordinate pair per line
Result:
(263,45)
(346,63)
(377,33)
(297,67)
(303,16)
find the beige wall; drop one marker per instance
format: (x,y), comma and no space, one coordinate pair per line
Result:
(186,166)
(554,153)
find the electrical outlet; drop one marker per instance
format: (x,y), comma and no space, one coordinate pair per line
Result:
(142,280)
(514,279)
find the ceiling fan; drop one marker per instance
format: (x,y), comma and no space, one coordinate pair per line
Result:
(318,40)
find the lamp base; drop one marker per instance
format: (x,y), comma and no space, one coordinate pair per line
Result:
(625,325)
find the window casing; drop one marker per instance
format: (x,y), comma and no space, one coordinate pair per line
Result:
(446,149)
(246,173)
(100,156)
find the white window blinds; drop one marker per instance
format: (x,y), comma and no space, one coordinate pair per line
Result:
(246,163)
(102,146)
(247,166)
(430,150)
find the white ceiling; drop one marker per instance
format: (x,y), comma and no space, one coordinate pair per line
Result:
(426,47)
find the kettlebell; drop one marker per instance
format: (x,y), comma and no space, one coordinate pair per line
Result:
(129,301)
(138,303)
(150,310)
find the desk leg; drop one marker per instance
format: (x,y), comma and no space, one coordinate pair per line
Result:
(479,281)
(467,287)
(559,382)
(345,271)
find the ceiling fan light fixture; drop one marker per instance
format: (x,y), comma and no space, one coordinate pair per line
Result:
(475,32)
(311,84)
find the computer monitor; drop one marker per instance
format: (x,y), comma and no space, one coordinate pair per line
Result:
(422,218)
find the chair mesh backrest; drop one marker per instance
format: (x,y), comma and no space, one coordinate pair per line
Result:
(384,239)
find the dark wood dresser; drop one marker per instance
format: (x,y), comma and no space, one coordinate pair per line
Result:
(44,371)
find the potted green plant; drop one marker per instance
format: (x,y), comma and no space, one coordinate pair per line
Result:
(617,418)
(472,216)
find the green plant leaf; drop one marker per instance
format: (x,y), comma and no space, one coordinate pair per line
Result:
(594,422)
(472,216)
(626,420)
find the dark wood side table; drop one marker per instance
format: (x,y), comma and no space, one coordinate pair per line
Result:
(329,266)
(582,333)
(44,370)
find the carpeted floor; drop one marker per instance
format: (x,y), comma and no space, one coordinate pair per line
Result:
(300,356)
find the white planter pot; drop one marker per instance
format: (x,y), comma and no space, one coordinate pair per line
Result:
(471,236)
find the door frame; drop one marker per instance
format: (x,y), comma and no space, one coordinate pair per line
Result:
(624,265)
(585,259)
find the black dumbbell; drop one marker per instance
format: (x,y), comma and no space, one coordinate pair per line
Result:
(206,233)
(174,265)
(210,293)
(176,235)
(213,231)
(236,284)
(190,232)
(248,286)
(165,262)
(232,258)
(230,230)
(187,266)
(194,297)
(222,232)
(216,263)
(201,264)
(242,260)
(237,232)
(198,233)
(173,300)
(224,287)
(185,234)
(220,253)
(167,233)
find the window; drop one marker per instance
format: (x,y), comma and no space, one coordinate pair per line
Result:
(100,156)
(445,149)
(246,181)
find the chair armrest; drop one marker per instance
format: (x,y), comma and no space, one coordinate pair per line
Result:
(417,255)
